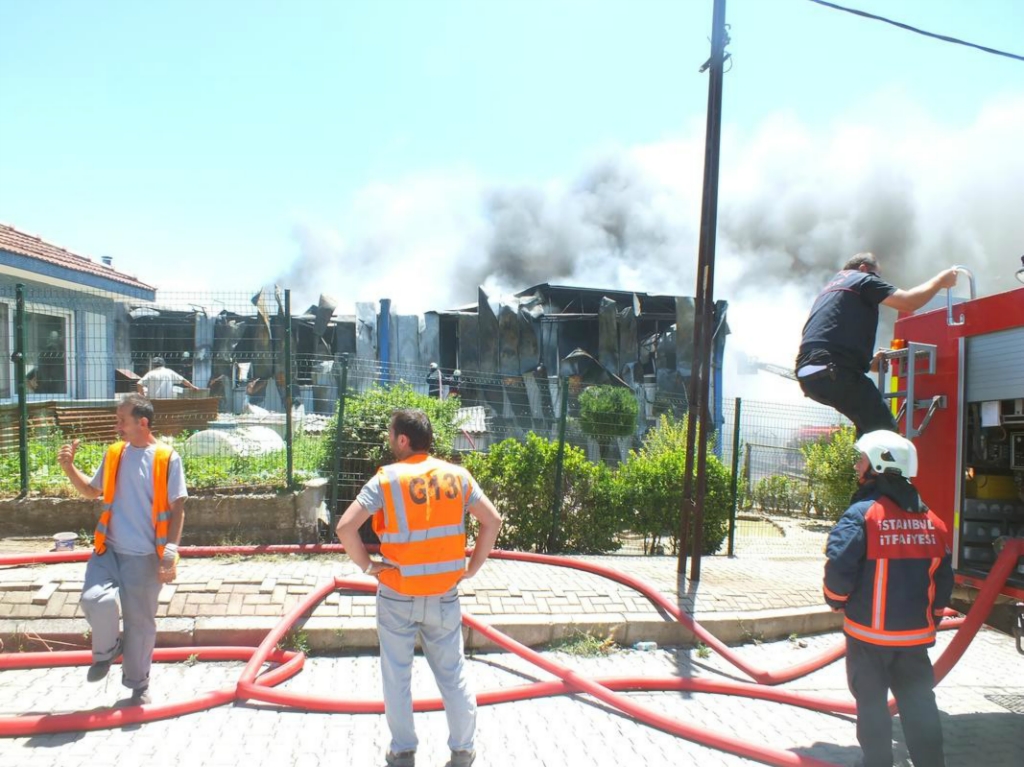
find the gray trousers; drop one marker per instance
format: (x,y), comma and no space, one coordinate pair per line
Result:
(133,579)
(871,672)
(438,621)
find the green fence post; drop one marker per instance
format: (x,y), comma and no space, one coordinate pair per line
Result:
(289,437)
(556,506)
(20,346)
(735,473)
(747,483)
(336,457)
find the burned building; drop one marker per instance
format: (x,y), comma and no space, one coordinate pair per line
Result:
(592,336)
(510,351)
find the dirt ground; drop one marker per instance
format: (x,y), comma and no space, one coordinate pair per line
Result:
(31,545)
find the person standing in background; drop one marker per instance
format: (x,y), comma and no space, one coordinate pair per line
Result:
(160,381)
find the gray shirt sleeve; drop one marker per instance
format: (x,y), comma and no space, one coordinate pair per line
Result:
(471,490)
(97,478)
(475,493)
(176,479)
(371,497)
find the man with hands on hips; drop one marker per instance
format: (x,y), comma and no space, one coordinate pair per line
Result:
(142,485)
(419,507)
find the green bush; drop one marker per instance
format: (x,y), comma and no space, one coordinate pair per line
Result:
(830,472)
(364,437)
(781,494)
(650,486)
(519,477)
(607,412)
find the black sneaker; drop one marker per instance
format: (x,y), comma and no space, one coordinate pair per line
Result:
(98,670)
(401,759)
(140,697)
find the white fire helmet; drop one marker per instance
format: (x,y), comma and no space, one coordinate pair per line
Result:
(888,451)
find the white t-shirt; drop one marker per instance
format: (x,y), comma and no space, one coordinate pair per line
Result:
(159,383)
(131,519)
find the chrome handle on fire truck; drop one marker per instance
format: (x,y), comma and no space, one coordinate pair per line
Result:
(949,296)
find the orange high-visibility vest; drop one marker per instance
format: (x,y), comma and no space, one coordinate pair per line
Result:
(161,506)
(422,526)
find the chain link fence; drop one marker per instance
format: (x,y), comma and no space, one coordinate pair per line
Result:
(247,390)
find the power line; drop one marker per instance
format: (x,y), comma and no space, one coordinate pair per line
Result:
(909,28)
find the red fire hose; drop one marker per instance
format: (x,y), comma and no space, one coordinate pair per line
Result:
(255,686)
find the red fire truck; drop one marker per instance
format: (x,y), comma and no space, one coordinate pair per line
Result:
(958,375)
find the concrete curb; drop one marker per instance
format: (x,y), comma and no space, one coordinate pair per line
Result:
(360,634)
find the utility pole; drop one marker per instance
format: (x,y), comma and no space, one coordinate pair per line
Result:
(704,309)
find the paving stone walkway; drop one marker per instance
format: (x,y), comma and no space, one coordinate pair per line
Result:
(975,700)
(766,573)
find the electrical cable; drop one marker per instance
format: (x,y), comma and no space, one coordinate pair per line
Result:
(909,28)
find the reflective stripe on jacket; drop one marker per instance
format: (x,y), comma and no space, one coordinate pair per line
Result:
(161,506)
(421,526)
(889,570)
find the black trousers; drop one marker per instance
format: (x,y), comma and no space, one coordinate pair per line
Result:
(871,672)
(854,395)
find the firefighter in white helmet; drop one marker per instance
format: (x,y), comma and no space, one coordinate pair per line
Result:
(889,570)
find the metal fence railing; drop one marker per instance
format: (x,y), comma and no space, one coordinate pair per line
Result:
(774,507)
(247,390)
(775,432)
(73,354)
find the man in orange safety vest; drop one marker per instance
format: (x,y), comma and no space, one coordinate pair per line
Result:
(419,507)
(142,484)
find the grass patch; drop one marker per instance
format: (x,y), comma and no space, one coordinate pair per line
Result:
(583,644)
(296,640)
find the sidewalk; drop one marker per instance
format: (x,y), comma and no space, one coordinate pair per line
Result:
(770,590)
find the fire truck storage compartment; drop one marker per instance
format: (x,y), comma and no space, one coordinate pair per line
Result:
(993,503)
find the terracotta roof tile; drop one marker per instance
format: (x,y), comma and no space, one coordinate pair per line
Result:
(16,241)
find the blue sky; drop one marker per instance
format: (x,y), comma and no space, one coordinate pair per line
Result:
(197,142)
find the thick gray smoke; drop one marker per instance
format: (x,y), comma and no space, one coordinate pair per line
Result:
(793,206)
(606,230)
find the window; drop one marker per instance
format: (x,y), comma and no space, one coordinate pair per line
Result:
(5,353)
(46,353)
(49,359)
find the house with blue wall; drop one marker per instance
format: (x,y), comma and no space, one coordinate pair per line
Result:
(76,328)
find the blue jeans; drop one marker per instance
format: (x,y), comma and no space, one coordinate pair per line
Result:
(438,621)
